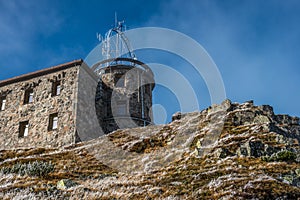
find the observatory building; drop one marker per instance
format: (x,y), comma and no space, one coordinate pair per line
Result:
(73,102)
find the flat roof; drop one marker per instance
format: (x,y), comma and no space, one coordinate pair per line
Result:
(42,72)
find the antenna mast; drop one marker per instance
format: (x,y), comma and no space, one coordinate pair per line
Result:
(115,44)
(116,19)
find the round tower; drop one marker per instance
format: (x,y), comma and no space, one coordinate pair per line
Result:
(124,91)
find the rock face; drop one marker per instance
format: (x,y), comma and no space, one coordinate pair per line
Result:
(227,151)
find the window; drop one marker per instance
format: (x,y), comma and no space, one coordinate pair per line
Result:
(120,80)
(56,88)
(53,121)
(121,108)
(2,103)
(23,129)
(28,98)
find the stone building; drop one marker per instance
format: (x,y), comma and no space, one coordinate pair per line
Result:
(69,103)
(48,107)
(72,102)
(124,94)
(124,91)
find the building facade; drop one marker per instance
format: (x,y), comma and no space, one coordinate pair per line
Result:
(48,107)
(124,94)
(70,103)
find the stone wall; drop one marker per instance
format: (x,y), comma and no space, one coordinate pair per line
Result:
(37,112)
(132,87)
(86,107)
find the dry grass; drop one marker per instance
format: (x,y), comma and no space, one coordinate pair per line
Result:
(191,177)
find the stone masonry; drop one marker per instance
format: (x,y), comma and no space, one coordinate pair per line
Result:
(69,103)
(68,109)
(124,95)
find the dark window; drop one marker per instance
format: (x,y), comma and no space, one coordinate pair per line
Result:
(121,108)
(120,80)
(2,103)
(56,88)
(53,121)
(28,98)
(23,129)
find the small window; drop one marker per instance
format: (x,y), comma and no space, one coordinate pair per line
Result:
(53,122)
(2,103)
(23,129)
(120,80)
(121,108)
(28,98)
(56,88)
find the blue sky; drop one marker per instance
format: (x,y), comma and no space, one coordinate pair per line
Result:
(255,44)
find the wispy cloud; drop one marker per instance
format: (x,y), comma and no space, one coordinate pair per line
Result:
(22,24)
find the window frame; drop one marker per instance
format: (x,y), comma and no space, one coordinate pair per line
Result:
(3,103)
(53,120)
(56,88)
(23,129)
(121,108)
(28,96)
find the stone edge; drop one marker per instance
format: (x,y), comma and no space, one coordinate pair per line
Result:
(41,72)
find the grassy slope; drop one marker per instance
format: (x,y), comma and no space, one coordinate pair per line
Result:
(191,175)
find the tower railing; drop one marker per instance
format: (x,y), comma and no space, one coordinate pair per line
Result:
(120,62)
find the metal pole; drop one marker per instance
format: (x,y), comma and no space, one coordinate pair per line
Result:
(142,95)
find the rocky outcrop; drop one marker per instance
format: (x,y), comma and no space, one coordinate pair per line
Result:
(227,151)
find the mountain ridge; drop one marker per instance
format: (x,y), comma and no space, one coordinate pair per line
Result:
(226,151)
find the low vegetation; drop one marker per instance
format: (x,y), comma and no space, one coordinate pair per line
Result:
(284,156)
(36,168)
(247,160)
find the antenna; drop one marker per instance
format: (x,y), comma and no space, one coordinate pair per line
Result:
(115,44)
(116,19)
(99,37)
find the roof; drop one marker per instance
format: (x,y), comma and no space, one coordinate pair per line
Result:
(41,72)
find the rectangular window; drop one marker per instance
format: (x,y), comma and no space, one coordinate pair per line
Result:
(23,129)
(53,121)
(56,88)
(2,103)
(121,108)
(120,80)
(28,98)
